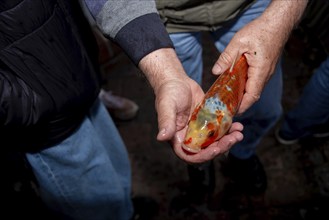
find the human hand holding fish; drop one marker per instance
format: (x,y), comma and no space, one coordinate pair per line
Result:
(262,42)
(216,147)
(176,97)
(213,117)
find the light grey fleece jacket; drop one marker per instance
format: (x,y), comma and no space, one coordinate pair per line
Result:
(134,24)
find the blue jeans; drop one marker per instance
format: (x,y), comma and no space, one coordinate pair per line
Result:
(312,109)
(260,118)
(87,176)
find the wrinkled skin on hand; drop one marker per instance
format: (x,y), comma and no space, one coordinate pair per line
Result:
(171,101)
(262,52)
(176,97)
(262,42)
(219,147)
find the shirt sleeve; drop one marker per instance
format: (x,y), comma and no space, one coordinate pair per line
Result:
(134,24)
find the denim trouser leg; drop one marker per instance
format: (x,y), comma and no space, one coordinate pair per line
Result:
(262,115)
(313,106)
(87,176)
(189,51)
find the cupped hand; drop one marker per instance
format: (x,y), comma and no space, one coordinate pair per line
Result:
(176,96)
(174,103)
(217,148)
(175,100)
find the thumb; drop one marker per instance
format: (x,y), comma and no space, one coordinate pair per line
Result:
(225,61)
(166,121)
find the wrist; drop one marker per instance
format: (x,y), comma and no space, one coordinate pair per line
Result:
(162,66)
(283,16)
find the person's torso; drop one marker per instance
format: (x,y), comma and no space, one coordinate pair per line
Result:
(47,72)
(199,15)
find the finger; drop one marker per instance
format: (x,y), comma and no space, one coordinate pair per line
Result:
(247,101)
(226,142)
(236,126)
(225,61)
(166,120)
(213,150)
(209,153)
(220,147)
(253,89)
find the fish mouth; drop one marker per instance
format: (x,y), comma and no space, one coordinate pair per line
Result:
(191,150)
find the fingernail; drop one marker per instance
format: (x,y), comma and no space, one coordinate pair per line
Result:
(216,69)
(162,132)
(240,137)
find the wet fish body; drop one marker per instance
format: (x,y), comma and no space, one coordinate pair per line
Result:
(212,118)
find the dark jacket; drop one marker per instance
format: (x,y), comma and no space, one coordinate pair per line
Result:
(48,72)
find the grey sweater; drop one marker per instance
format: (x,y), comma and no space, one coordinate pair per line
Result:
(134,24)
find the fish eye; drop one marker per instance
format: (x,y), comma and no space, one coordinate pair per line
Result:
(211,133)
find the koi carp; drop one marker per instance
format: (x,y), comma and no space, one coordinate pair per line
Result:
(213,117)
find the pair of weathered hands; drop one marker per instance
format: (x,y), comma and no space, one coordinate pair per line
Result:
(261,41)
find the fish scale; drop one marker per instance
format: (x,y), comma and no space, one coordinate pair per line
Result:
(212,118)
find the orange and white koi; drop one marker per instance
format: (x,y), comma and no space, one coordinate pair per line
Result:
(213,117)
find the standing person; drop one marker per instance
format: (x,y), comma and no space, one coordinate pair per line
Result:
(310,116)
(259,29)
(50,109)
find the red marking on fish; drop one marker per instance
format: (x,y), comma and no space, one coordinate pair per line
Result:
(212,118)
